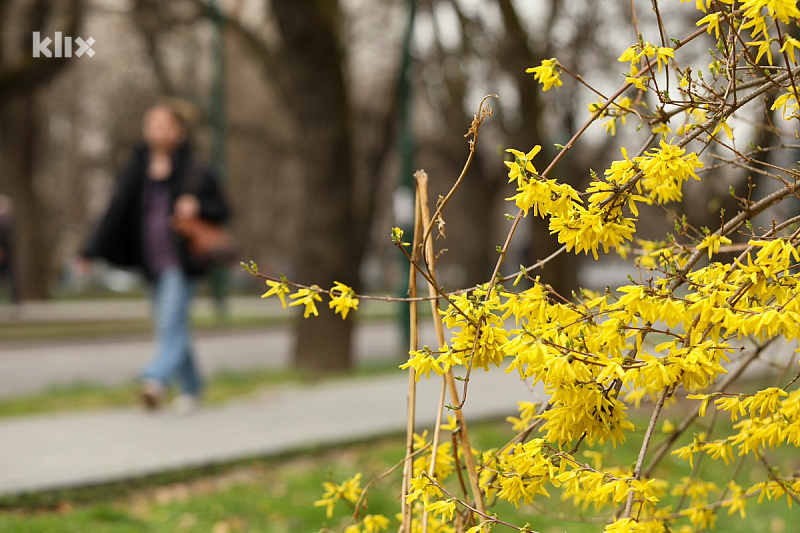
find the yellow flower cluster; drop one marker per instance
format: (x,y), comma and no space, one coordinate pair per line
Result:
(526,470)
(547,74)
(578,352)
(370,524)
(307,297)
(754,13)
(636,52)
(445,462)
(343,298)
(630,525)
(712,243)
(580,357)
(665,170)
(587,486)
(349,490)
(598,355)
(603,223)
(774,420)
(787,103)
(423,489)
(783,10)
(478,334)
(618,110)
(584,230)
(545,197)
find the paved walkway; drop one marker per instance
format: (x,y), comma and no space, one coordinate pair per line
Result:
(32,368)
(47,452)
(50,452)
(139,309)
(67,450)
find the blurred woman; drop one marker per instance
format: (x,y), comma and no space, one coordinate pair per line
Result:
(162,180)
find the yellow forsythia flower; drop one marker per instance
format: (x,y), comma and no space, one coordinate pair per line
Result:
(712,243)
(637,82)
(343,299)
(665,170)
(783,10)
(713,23)
(442,507)
(787,102)
(281,288)
(422,361)
(547,74)
(763,47)
(635,52)
(522,165)
(789,44)
(349,490)
(375,523)
(723,125)
(307,297)
(422,488)
(738,500)
(629,525)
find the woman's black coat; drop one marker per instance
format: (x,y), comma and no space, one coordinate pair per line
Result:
(118,237)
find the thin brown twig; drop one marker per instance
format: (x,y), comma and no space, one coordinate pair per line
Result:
(771,472)
(484,110)
(477,495)
(486,519)
(665,446)
(412,378)
(637,471)
(389,472)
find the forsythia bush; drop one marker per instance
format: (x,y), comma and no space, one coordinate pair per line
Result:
(677,335)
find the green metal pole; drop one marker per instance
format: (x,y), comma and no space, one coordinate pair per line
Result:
(406,151)
(219,278)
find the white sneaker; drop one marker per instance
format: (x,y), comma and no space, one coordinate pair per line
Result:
(186,403)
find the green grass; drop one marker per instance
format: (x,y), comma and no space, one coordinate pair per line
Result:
(14,332)
(277,495)
(92,330)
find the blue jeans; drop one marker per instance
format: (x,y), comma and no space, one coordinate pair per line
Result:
(172,295)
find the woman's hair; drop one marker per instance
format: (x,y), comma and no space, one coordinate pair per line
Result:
(186,113)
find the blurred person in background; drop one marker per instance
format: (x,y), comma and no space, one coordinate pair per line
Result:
(163,179)
(7,277)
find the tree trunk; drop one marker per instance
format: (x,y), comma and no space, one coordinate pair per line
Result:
(20,147)
(18,135)
(516,56)
(325,250)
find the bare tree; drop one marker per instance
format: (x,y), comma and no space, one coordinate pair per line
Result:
(495,44)
(317,96)
(23,90)
(307,72)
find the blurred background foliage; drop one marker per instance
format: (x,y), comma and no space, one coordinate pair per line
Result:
(315,114)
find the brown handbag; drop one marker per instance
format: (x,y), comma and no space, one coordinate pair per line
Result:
(210,244)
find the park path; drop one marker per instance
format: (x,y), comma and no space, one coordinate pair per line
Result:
(27,369)
(52,451)
(31,366)
(55,451)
